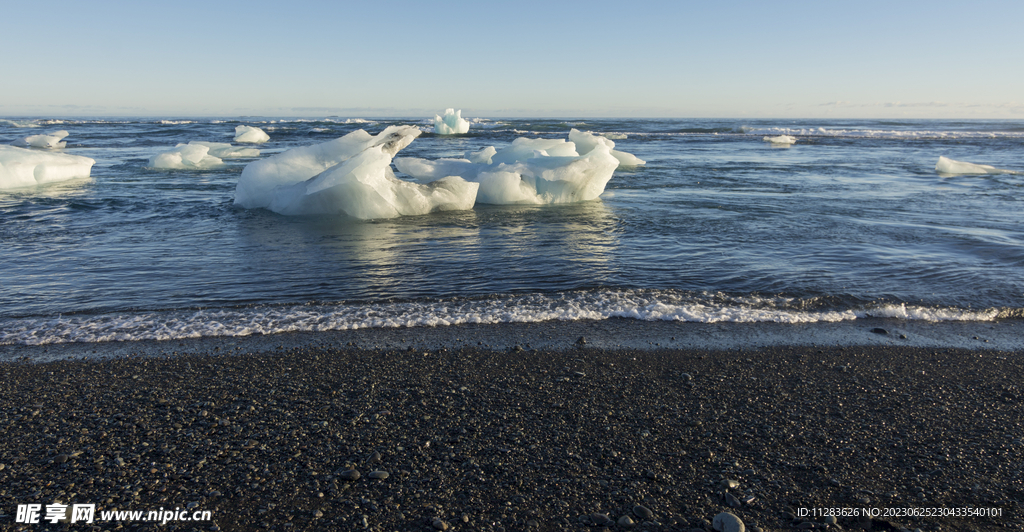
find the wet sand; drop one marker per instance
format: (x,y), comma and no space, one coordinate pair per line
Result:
(516,436)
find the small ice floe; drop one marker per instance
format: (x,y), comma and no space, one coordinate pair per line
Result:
(350,176)
(224,150)
(20,167)
(250,135)
(538,171)
(451,123)
(51,141)
(951,167)
(781,140)
(185,157)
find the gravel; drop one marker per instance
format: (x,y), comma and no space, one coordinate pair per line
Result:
(488,440)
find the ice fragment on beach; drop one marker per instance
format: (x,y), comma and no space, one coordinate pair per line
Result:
(951,167)
(451,123)
(49,141)
(250,135)
(781,139)
(185,157)
(481,157)
(350,176)
(536,171)
(20,167)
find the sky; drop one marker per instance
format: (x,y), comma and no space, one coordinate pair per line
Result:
(687,59)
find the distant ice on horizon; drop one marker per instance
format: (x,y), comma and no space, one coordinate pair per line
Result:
(250,135)
(451,123)
(951,167)
(50,141)
(351,176)
(20,167)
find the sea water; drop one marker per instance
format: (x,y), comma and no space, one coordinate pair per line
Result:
(851,221)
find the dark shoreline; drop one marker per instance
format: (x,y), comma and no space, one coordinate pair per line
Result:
(488,438)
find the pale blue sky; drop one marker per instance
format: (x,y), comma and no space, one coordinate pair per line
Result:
(584,59)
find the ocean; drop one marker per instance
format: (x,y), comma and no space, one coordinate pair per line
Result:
(850,222)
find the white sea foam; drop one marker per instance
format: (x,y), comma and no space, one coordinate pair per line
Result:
(877,133)
(19,123)
(573,306)
(51,141)
(176,122)
(20,167)
(781,139)
(250,135)
(951,167)
(224,150)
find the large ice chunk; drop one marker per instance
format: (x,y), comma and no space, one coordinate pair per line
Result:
(451,123)
(48,142)
(224,150)
(250,135)
(528,171)
(20,167)
(255,187)
(185,157)
(781,140)
(351,176)
(951,167)
(586,142)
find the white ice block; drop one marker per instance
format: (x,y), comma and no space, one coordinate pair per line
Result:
(185,157)
(250,135)
(451,123)
(951,167)
(20,167)
(49,141)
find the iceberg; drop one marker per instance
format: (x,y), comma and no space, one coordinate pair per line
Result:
(48,142)
(350,175)
(224,150)
(530,171)
(20,167)
(951,167)
(250,135)
(451,123)
(585,142)
(781,139)
(185,157)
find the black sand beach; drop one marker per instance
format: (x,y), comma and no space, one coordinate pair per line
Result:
(518,437)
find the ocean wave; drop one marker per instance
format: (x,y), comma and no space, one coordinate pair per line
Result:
(19,123)
(877,133)
(647,305)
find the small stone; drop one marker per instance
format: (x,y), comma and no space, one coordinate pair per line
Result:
(600,519)
(377,475)
(830,520)
(532,523)
(581,340)
(727,522)
(349,474)
(731,501)
(686,377)
(879,330)
(728,484)
(643,512)
(61,458)
(805,525)
(439,524)
(626,522)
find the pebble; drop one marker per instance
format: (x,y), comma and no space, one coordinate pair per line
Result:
(349,474)
(600,519)
(643,512)
(377,475)
(439,524)
(727,522)
(830,520)
(879,330)
(728,484)
(626,522)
